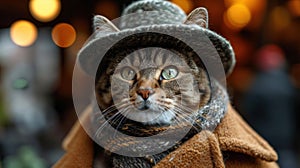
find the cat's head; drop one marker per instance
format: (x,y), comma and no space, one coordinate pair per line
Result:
(152,86)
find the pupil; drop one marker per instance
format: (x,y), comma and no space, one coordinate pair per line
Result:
(170,73)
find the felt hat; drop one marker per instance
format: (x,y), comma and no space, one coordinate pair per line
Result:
(155,23)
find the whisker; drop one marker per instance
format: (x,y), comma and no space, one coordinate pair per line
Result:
(186,108)
(162,106)
(111,109)
(182,117)
(122,118)
(186,117)
(99,130)
(115,105)
(186,113)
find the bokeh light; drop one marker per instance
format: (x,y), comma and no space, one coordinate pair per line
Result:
(237,16)
(63,35)
(241,79)
(44,10)
(294,7)
(280,18)
(186,5)
(251,4)
(23,33)
(20,83)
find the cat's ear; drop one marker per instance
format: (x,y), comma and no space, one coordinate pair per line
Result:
(103,25)
(199,16)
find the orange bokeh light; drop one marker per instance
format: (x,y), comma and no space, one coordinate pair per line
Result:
(294,7)
(23,33)
(251,4)
(237,16)
(63,35)
(186,5)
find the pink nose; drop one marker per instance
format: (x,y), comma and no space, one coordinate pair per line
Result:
(145,93)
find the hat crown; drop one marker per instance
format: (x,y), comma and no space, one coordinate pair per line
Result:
(153,16)
(151,12)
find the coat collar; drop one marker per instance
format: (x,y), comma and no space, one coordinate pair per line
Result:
(235,135)
(232,135)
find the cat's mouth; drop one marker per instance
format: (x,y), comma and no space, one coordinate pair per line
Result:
(144,105)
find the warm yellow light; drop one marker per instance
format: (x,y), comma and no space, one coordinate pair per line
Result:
(63,35)
(23,33)
(186,5)
(294,7)
(238,15)
(251,4)
(44,10)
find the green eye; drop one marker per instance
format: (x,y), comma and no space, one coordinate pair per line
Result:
(169,73)
(128,73)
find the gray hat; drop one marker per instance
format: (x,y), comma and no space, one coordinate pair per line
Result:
(154,23)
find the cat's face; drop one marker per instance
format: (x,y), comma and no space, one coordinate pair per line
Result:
(153,86)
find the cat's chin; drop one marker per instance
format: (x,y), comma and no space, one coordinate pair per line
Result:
(150,117)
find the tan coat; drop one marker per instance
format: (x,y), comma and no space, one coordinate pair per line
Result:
(232,144)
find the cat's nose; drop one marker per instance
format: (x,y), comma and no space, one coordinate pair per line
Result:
(145,93)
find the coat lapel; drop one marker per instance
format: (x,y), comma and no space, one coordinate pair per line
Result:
(232,135)
(78,146)
(235,135)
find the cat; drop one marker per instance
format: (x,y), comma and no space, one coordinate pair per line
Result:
(150,87)
(144,90)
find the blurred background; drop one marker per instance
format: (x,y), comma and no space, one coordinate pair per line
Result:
(39,40)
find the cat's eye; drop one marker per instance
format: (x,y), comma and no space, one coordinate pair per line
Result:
(169,72)
(128,73)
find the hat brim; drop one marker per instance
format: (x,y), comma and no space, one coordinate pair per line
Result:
(165,36)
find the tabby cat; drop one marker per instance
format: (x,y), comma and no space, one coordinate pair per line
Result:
(144,91)
(151,86)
